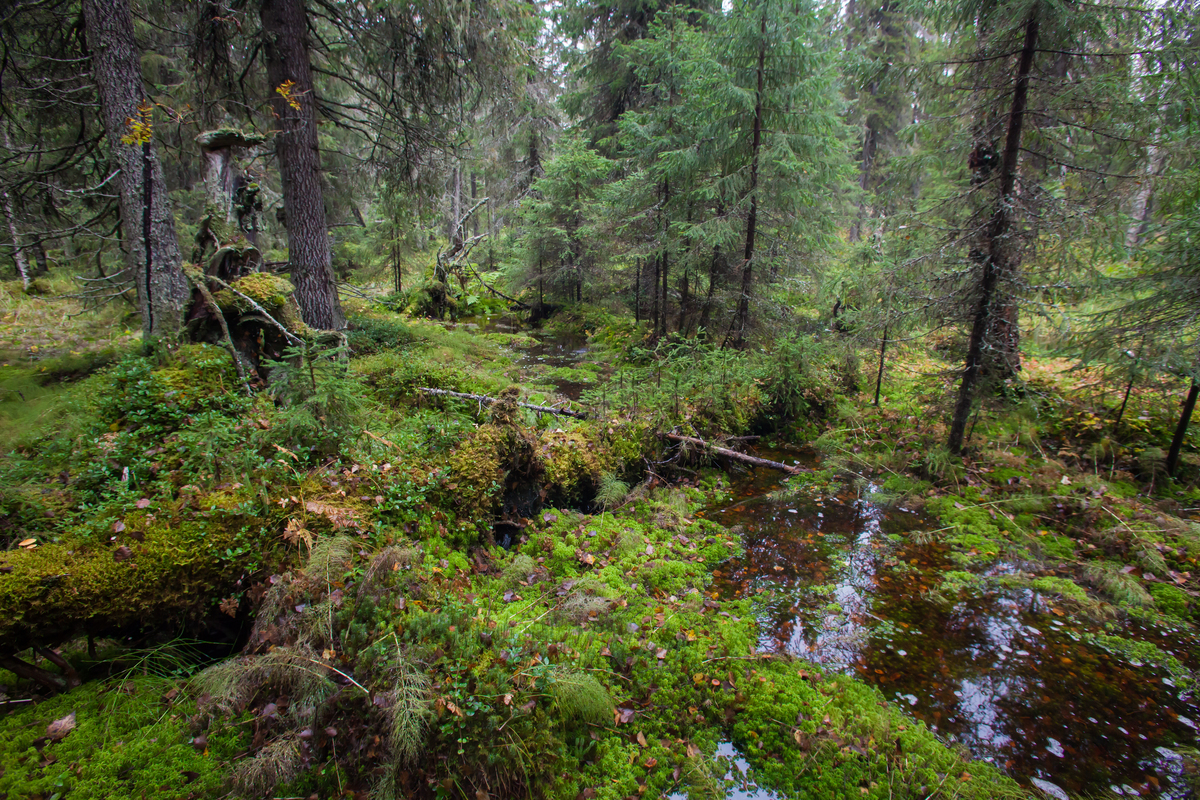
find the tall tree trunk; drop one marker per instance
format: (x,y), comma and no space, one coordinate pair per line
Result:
(684,299)
(882,356)
(743,309)
(39,256)
(637,292)
(285,43)
(147,225)
(870,142)
(1001,260)
(713,273)
(654,310)
(18,251)
(666,199)
(474,197)
(456,232)
(1140,210)
(1185,417)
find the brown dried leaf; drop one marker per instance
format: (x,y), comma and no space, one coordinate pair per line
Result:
(58,730)
(295,533)
(229,606)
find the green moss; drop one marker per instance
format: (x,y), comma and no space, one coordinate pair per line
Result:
(573,463)
(1059,548)
(1064,588)
(270,291)
(1171,600)
(195,374)
(482,465)
(1140,653)
(128,741)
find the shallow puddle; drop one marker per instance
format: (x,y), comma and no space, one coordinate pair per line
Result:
(737,783)
(845,583)
(555,351)
(551,351)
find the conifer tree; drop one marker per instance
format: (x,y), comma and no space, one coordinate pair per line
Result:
(147,222)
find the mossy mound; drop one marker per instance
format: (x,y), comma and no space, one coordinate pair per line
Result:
(574,460)
(129,740)
(505,462)
(493,458)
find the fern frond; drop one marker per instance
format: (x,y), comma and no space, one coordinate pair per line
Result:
(579,695)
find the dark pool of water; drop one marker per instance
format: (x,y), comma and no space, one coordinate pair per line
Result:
(552,351)
(1001,672)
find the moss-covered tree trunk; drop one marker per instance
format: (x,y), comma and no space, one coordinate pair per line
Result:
(147,224)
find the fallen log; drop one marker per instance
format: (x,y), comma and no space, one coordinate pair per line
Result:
(482,398)
(753,461)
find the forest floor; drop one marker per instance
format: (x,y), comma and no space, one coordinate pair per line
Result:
(341,586)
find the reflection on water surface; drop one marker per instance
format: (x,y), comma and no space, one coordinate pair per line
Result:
(844,583)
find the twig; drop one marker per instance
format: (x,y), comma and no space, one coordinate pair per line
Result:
(485,400)
(226,339)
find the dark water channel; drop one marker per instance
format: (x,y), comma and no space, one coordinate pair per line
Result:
(1000,672)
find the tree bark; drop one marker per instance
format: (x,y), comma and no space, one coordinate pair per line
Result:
(882,356)
(285,31)
(637,292)
(474,192)
(743,310)
(147,224)
(654,299)
(1001,260)
(1185,417)
(216,146)
(18,251)
(870,142)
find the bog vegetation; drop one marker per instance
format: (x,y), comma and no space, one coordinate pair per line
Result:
(369,372)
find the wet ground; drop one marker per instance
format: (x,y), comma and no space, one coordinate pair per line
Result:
(847,583)
(551,352)
(844,582)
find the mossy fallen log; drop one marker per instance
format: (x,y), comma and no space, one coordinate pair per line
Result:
(161,570)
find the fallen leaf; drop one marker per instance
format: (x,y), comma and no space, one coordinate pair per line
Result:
(58,730)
